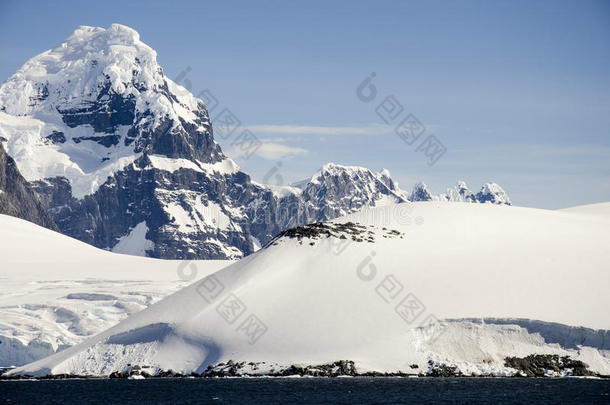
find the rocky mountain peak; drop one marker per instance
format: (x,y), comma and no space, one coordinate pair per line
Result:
(354,185)
(91,63)
(494,194)
(386,178)
(420,192)
(460,192)
(332,169)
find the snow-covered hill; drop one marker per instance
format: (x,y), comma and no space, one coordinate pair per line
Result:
(599,209)
(369,287)
(57,291)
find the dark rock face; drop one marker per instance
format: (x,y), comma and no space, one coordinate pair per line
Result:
(442,370)
(17,198)
(56,137)
(142,193)
(348,231)
(540,365)
(106,141)
(105,114)
(187,140)
(270,214)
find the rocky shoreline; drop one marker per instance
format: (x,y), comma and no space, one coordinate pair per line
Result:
(532,366)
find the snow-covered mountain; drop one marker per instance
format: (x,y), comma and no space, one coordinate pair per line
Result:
(57,291)
(421,192)
(117,150)
(124,159)
(490,193)
(460,192)
(17,197)
(451,294)
(333,191)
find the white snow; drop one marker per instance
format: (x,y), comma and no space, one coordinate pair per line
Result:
(385,200)
(180,217)
(135,243)
(172,165)
(226,166)
(212,215)
(280,191)
(57,291)
(599,209)
(333,167)
(338,299)
(257,243)
(198,215)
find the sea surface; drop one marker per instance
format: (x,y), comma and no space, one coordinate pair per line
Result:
(307,391)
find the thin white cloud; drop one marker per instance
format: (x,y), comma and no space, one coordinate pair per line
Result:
(274,150)
(320,130)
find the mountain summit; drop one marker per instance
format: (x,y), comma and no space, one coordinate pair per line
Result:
(99,101)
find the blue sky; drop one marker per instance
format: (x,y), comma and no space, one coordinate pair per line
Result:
(518,92)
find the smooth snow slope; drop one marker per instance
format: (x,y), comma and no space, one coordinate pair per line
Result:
(325,302)
(600,209)
(57,291)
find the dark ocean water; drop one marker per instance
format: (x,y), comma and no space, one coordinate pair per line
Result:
(307,391)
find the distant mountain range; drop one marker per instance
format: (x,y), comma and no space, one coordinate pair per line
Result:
(124,159)
(489,193)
